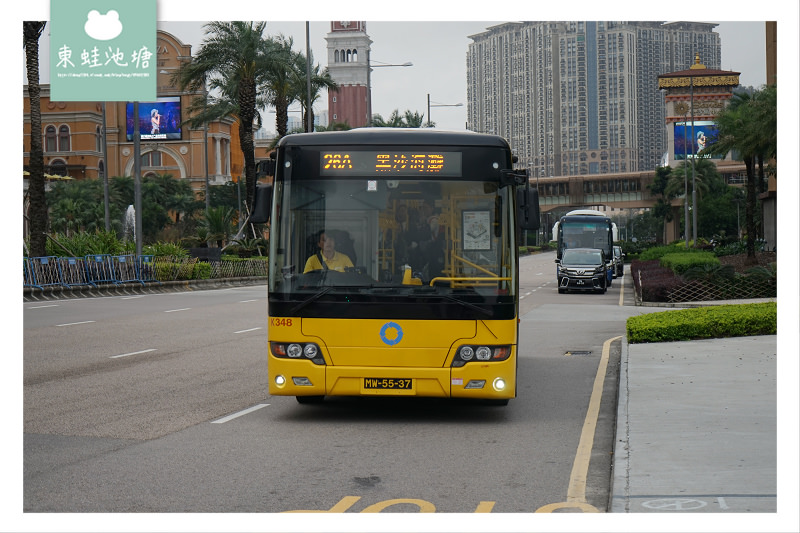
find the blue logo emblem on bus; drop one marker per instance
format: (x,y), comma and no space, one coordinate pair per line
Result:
(391,333)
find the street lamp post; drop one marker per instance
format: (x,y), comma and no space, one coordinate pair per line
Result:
(370,66)
(683,108)
(430,105)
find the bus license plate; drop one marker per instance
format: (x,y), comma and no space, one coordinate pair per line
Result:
(388,384)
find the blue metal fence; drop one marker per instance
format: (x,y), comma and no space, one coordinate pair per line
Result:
(91,270)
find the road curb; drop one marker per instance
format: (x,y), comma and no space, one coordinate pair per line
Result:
(57,292)
(619,494)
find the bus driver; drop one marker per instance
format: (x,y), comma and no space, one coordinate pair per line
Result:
(327,257)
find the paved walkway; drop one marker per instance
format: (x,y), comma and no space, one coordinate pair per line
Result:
(696,427)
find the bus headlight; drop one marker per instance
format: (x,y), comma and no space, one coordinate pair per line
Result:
(483,353)
(499,384)
(310,351)
(294,350)
(467,353)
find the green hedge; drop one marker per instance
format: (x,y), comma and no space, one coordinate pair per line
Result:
(704,323)
(173,271)
(680,262)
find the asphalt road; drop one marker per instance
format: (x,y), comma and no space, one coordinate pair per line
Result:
(158,404)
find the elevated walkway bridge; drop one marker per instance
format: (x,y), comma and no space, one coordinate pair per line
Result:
(629,190)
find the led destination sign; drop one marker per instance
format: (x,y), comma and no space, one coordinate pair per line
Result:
(405,163)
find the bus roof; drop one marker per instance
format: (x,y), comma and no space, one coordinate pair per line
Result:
(391,136)
(584,218)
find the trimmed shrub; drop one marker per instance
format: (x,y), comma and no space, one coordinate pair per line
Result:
(680,262)
(161,249)
(704,323)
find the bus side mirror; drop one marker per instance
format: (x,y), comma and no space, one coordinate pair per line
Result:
(262,204)
(528,208)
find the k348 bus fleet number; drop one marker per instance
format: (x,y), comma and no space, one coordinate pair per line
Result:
(280,322)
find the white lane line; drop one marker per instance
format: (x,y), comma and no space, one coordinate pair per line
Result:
(176,310)
(246,330)
(240,413)
(131,297)
(247,301)
(132,353)
(41,306)
(75,323)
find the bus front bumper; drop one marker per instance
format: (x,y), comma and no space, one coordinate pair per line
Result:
(490,380)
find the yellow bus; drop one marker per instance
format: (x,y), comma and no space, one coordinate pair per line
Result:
(393,264)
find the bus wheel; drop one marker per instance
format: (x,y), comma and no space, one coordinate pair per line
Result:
(309,399)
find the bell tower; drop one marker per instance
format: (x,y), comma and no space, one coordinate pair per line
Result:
(348,65)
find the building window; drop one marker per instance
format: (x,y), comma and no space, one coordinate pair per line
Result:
(98,140)
(58,167)
(50,144)
(151,159)
(101,170)
(63,139)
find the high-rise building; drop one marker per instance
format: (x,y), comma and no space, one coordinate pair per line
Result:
(348,65)
(577,98)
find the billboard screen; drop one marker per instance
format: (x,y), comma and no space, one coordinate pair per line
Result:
(159,120)
(686,143)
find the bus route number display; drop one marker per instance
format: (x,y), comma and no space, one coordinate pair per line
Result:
(397,163)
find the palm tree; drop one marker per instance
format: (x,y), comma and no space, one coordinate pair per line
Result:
(31,32)
(280,88)
(319,80)
(704,169)
(415,120)
(407,120)
(662,210)
(217,224)
(335,126)
(748,128)
(234,59)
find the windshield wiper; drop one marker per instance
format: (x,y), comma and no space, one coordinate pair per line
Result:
(312,298)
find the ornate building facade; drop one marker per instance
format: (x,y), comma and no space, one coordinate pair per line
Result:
(74,145)
(348,65)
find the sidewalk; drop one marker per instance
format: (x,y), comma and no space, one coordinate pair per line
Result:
(696,427)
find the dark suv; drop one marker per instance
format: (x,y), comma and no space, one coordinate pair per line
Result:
(619,264)
(582,269)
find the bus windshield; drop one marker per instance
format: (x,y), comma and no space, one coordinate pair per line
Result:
(585,234)
(351,238)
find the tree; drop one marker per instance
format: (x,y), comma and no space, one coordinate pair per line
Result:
(409,119)
(217,224)
(335,126)
(748,127)
(280,88)
(662,210)
(319,80)
(234,59)
(31,31)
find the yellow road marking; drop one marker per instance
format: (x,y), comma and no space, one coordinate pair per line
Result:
(576,492)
